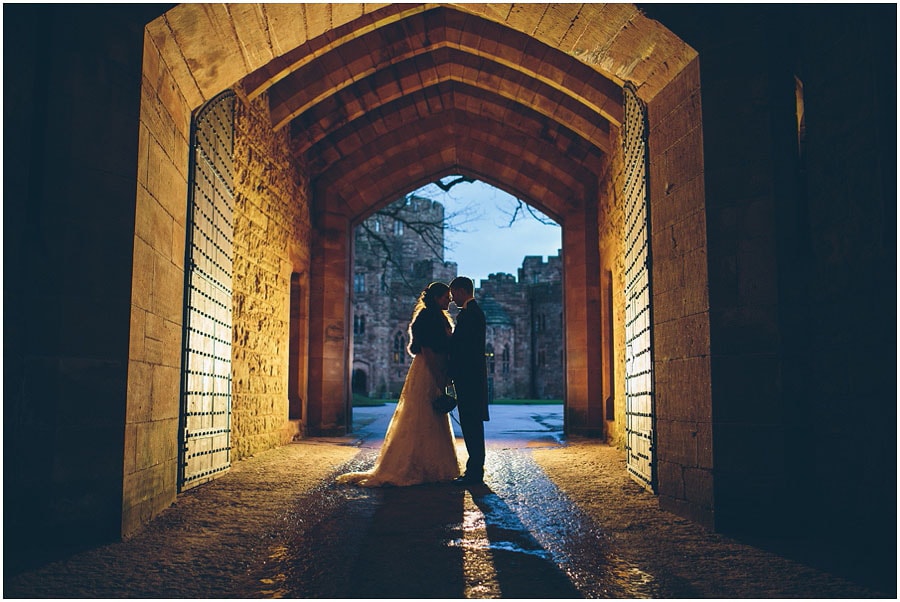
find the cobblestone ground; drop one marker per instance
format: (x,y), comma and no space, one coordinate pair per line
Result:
(553,521)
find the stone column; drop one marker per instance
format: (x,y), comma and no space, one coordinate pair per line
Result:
(329,407)
(584,394)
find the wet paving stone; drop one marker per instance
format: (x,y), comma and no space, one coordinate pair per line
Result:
(517,536)
(555,519)
(429,541)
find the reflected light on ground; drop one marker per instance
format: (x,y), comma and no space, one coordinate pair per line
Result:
(478,560)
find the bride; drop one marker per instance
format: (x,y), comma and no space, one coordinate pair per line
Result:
(419,445)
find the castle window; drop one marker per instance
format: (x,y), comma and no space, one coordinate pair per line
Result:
(376,226)
(489,354)
(399,345)
(359,283)
(506,359)
(398,228)
(359,325)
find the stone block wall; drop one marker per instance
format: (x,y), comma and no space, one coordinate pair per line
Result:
(584,373)
(500,381)
(842,383)
(802,263)
(93,242)
(745,106)
(391,266)
(546,361)
(611,223)
(157,293)
(511,308)
(271,234)
(69,244)
(681,320)
(507,307)
(547,340)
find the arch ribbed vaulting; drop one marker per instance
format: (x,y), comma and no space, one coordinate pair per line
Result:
(382,100)
(377,100)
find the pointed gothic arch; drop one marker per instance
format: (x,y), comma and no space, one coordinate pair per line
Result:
(527,98)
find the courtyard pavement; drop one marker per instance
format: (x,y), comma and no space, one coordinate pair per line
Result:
(510,425)
(556,518)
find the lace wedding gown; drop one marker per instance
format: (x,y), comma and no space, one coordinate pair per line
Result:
(419,445)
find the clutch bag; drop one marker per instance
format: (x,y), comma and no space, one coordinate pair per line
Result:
(446,401)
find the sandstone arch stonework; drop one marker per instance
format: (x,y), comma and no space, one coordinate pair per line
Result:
(376,100)
(773,237)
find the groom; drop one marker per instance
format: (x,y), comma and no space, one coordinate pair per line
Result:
(469,373)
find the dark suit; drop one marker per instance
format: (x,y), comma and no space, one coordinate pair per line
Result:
(469,372)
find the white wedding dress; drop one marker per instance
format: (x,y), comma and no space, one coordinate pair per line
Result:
(419,446)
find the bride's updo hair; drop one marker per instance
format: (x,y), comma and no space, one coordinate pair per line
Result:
(428,299)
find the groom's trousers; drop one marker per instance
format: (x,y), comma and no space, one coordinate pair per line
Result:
(472,425)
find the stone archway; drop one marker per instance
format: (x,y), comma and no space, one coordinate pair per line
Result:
(376,102)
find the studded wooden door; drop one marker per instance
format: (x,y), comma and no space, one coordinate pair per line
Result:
(206,360)
(639,411)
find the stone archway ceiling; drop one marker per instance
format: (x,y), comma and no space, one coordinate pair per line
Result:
(401,51)
(420,151)
(406,94)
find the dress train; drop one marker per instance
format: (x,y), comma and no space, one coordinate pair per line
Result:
(419,445)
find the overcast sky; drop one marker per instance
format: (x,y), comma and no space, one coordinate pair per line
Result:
(486,244)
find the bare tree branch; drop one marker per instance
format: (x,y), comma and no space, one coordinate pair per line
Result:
(521,210)
(387,248)
(457,180)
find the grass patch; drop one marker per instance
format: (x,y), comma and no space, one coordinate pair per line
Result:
(361,401)
(526,402)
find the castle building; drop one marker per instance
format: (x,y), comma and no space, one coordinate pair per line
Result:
(187,180)
(393,262)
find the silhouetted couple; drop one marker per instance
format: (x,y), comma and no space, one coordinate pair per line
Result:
(419,447)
